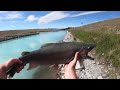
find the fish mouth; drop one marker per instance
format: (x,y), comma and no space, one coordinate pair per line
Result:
(89,49)
(84,52)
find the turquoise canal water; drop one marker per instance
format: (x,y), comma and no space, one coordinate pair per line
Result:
(13,48)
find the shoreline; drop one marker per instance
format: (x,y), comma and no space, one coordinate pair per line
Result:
(14,34)
(68,38)
(16,37)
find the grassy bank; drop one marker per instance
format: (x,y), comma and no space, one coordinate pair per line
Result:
(108,44)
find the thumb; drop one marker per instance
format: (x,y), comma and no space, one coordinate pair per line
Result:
(74,61)
(76,56)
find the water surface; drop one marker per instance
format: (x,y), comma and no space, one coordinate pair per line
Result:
(13,48)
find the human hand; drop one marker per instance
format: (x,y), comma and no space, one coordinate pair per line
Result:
(7,65)
(69,69)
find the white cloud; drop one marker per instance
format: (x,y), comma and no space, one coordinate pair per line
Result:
(95,21)
(86,13)
(31,18)
(10,15)
(56,15)
(4,11)
(14,15)
(12,26)
(53,16)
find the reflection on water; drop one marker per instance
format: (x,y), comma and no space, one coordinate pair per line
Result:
(46,72)
(14,48)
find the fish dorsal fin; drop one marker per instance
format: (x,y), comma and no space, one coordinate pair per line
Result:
(25,53)
(47,44)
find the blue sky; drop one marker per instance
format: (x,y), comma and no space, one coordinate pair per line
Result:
(12,20)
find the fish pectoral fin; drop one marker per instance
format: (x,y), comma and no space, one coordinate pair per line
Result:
(52,65)
(32,65)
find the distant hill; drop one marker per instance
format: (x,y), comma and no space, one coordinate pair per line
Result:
(112,25)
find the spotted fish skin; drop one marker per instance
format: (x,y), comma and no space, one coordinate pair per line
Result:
(56,53)
(53,53)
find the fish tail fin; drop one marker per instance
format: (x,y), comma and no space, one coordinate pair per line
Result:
(25,53)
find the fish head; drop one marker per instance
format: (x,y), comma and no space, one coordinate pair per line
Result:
(89,47)
(83,52)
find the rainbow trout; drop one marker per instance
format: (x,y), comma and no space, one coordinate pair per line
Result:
(54,53)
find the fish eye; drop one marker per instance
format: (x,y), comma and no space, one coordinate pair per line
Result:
(89,47)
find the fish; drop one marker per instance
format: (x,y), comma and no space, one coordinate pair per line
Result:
(53,53)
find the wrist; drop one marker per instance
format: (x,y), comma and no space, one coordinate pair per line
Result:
(2,67)
(69,69)
(70,74)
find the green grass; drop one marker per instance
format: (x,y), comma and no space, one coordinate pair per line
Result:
(107,43)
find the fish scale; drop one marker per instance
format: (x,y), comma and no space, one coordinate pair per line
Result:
(54,53)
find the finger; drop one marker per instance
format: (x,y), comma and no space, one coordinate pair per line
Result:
(14,60)
(18,69)
(10,62)
(24,64)
(76,56)
(21,67)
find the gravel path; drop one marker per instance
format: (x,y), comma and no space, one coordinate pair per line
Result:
(92,68)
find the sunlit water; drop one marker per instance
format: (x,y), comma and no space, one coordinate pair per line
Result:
(13,48)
